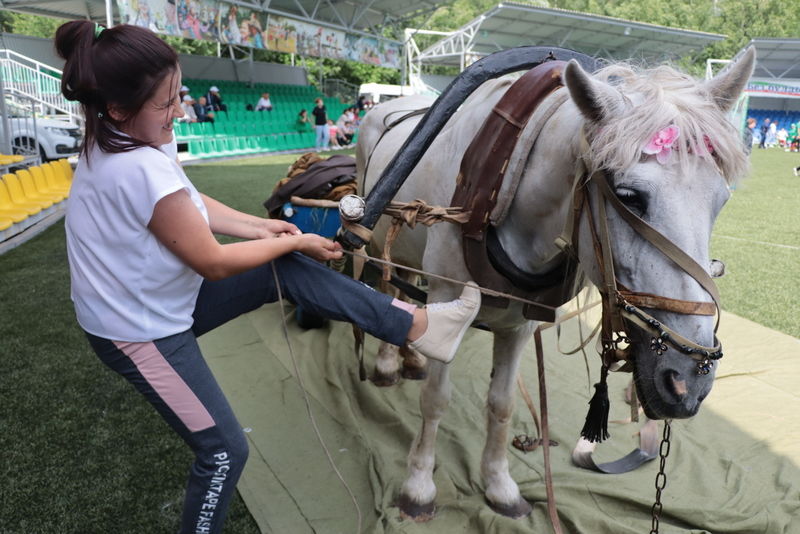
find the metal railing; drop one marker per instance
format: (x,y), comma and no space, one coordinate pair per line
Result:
(18,128)
(38,82)
(344,91)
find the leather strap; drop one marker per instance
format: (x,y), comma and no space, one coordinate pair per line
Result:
(647,450)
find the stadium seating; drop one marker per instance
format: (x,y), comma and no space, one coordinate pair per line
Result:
(783,119)
(30,195)
(239,131)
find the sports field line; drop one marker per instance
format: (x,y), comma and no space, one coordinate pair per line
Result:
(779,245)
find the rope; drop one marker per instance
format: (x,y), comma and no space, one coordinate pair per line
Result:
(484,290)
(308,402)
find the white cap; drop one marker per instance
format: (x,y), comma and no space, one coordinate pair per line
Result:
(184,88)
(187,98)
(214,89)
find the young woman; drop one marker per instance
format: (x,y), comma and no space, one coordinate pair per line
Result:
(148,276)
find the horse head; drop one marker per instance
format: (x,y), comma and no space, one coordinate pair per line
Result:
(657,144)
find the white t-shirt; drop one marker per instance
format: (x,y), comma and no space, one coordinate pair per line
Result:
(126,285)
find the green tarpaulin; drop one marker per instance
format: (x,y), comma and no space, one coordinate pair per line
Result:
(734,468)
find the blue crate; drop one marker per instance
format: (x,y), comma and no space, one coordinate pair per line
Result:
(322,221)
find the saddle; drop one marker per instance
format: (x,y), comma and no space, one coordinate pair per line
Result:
(479,186)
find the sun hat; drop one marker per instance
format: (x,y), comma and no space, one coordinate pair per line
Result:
(187,98)
(184,88)
(214,89)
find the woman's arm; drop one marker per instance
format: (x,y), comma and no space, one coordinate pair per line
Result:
(179,226)
(228,221)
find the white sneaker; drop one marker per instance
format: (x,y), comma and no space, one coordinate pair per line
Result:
(795,171)
(447,324)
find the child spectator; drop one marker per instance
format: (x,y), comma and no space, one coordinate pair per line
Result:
(345,134)
(303,123)
(333,131)
(264,103)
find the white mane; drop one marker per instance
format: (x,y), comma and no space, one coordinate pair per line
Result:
(655,99)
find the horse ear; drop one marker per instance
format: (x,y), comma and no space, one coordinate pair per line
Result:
(596,100)
(726,86)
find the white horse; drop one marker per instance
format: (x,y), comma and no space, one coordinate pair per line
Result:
(620,111)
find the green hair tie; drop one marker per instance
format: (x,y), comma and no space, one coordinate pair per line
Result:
(97,30)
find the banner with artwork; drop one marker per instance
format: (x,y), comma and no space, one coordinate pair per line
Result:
(211,20)
(281,34)
(242,26)
(372,51)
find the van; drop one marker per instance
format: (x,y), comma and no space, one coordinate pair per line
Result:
(381,92)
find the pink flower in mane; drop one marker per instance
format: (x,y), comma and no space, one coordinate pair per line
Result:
(661,143)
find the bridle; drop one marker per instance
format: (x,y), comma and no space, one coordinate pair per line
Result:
(621,305)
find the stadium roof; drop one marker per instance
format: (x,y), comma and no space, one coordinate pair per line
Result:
(777,58)
(511,24)
(354,16)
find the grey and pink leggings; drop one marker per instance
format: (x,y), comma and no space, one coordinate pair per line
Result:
(172,374)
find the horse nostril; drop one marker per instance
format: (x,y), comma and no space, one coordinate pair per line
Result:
(676,384)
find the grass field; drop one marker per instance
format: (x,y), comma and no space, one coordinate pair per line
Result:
(83,454)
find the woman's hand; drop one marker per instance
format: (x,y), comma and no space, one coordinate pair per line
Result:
(279,228)
(318,247)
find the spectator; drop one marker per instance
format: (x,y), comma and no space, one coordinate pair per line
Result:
(321,125)
(346,133)
(333,133)
(183,92)
(264,103)
(188,109)
(215,100)
(203,111)
(782,136)
(303,123)
(764,132)
(361,103)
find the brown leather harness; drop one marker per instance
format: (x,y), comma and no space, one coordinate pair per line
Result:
(479,182)
(478,185)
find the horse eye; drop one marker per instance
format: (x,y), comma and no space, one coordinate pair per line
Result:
(632,199)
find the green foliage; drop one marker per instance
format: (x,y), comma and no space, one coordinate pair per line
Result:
(32,25)
(349,71)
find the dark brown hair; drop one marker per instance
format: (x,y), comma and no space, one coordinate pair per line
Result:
(121,67)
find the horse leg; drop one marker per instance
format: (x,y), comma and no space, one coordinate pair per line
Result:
(417,496)
(414,364)
(386,366)
(502,492)
(387,363)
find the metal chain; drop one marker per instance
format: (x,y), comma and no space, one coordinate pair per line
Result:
(661,477)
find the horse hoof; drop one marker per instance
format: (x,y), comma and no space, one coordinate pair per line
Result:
(385,381)
(414,373)
(517,510)
(419,513)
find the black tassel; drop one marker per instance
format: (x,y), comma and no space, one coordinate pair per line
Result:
(595,429)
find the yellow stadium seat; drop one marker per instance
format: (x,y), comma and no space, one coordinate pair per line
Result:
(11,212)
(6,159)
(52,175)
(41,186)
(7,203)
(26,192)
(67,168)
